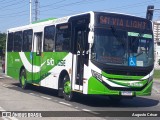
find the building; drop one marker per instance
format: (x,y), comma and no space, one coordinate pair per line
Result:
(156,25)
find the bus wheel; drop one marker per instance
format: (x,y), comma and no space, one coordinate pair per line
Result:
(67,92)
(23,80)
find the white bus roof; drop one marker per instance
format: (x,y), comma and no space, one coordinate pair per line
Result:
(54,21)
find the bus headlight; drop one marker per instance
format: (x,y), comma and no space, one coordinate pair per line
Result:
(96,75)
(150,79)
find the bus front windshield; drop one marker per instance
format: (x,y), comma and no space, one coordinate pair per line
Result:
(125,48)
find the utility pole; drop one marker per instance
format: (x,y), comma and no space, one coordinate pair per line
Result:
(36,10)
(30,14)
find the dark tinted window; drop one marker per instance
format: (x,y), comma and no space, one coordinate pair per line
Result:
(49,42)
(10,42)
(17,41)
(27,41)
(63,37)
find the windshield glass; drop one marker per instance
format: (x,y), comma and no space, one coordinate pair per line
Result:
(118,47)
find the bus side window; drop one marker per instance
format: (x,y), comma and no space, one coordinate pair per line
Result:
(63,37)
(49,41)
(10,42)
(17,41)
(27,41)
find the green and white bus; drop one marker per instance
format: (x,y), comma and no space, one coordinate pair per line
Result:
(94,53)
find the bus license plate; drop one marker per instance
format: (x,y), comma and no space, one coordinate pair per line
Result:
(126,93)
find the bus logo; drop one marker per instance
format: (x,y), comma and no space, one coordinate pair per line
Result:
(50,62)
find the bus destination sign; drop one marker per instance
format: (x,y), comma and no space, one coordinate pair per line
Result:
(124,21)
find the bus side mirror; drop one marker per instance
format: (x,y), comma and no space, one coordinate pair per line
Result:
(91,37)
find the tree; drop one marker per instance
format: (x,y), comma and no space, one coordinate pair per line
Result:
(2,42)
(159,61)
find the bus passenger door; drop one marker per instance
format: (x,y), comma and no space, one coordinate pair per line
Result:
(81,46)
(36,65)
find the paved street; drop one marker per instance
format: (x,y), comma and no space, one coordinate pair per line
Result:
(13,98)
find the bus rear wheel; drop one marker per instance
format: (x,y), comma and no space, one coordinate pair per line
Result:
(67,91)
(23,79)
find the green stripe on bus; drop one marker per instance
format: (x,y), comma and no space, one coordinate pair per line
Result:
(44,20)
(124,77)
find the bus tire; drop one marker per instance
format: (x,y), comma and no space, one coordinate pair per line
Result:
(67,91)
(23,79)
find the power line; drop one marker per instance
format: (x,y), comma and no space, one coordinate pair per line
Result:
(4,1)
(15,13)
(131,5)
(14,16)
(12,4)
(52,4)
(15,8)
(64,5)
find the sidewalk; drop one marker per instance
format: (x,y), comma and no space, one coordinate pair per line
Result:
(156,85)
(157,80)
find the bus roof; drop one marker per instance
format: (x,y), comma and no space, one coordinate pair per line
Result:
(54,21)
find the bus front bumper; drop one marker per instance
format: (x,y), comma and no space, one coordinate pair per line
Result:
(96,87)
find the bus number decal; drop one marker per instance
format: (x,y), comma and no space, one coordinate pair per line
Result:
(50,62)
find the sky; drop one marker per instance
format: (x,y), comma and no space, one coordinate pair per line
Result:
(14,13)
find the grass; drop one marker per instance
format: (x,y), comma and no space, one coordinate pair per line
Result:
(157,74)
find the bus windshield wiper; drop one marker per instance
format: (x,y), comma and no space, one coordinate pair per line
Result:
(113,29)
(140,53)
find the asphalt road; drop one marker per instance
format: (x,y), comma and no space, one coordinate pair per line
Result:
(13,98)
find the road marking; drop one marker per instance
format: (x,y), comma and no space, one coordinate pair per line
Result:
(158,104)
(64,103)
(155,89)
(32,93)
(1,109)
(76,107)
(7,117)
(13,118)
(46,98)
(86,110)
(7,76)
(5,85)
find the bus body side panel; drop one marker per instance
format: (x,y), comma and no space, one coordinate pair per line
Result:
(13,64)
(26,63)
(54,64)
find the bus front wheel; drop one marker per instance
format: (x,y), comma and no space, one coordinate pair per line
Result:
(67,91)
(23,79)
